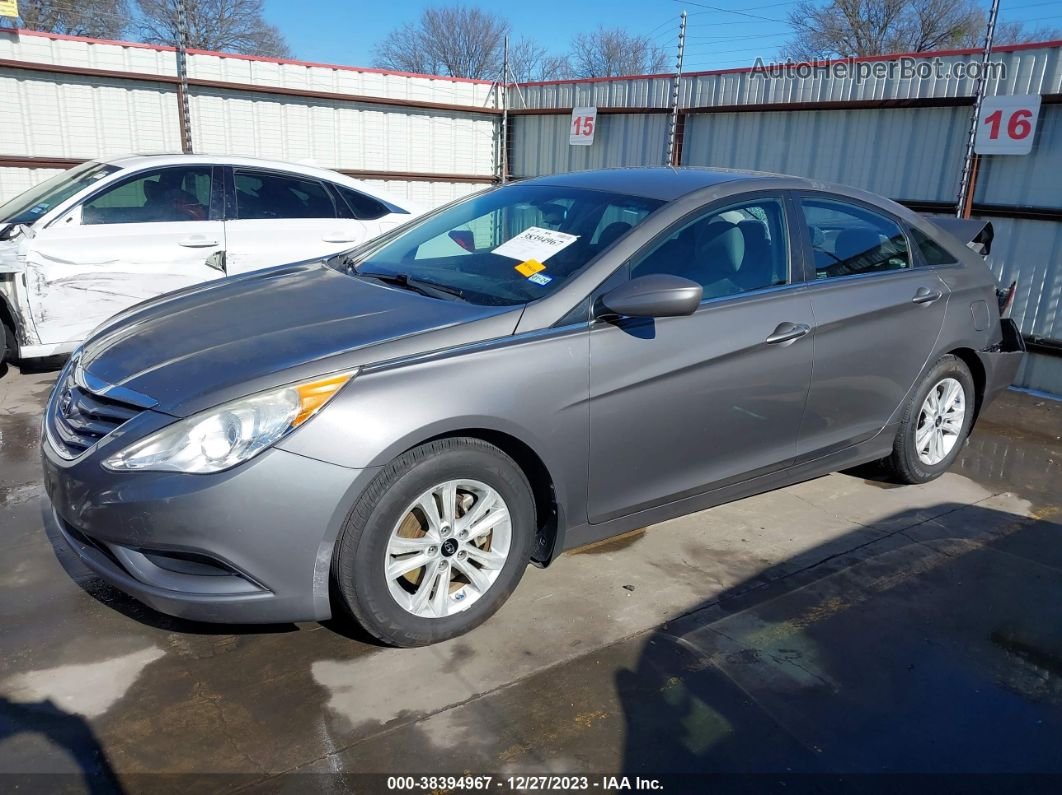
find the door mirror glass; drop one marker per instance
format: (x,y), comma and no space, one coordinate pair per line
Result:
(658,295)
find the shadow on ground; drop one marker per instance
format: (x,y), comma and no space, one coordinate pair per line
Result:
(937,649)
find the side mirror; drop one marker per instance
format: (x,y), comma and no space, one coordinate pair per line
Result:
(659,295)
(217,262)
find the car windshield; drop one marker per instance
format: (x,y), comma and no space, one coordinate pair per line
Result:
(30,205)
(507,246)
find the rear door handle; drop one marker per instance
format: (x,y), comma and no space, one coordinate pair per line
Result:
(926,296)
(196,241)
(787,332)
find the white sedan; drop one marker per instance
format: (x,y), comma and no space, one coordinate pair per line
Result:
(103,236)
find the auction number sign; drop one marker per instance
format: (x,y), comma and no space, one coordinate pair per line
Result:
(584,122)
(1007,125)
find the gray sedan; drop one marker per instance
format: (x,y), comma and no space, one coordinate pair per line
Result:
(396,432)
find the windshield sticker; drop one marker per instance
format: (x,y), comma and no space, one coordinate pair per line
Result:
(530,267)
(535,243)
(540,278)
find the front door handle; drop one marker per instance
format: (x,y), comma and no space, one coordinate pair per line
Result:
(197,241)
(787,332)
(926,296)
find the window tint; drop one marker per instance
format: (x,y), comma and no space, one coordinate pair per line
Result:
(932,252)
(727,251)
(260,194)
(161,195)
(847,239)
(358,205)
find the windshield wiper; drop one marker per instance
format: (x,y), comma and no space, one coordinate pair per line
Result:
(430,289)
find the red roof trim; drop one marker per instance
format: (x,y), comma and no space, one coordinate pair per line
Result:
(237,56)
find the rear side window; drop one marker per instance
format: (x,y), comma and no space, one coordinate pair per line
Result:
(932,252)
(261,194)
(848,239)
(159,195)
(359,205)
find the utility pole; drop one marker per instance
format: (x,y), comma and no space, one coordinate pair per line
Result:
(673,125)
(182,78)
(503,86)
(968,184)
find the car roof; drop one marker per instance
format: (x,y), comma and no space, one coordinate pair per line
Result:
(136,162)
(658,182)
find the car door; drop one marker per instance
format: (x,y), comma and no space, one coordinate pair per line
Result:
(278,217)
(684,404)
(139,237)
(877,319)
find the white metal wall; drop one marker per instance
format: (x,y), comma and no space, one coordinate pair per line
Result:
(83,117)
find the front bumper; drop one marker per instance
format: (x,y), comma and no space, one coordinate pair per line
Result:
(250,545)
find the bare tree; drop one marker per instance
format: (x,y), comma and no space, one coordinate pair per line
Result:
(853,28)
(608,52)
(529,61)
(100,19)
(458,41)
(1018,33)
(222,25)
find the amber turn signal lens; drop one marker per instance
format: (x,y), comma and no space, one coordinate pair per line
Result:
(314,394)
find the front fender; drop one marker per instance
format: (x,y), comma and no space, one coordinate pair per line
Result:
(534,388)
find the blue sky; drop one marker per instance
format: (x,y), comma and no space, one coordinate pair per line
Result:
(344,31)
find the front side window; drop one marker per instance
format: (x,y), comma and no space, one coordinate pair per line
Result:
(159,195)
(729,251)
(847,239)
(30,205)
(510,245)
(261,194)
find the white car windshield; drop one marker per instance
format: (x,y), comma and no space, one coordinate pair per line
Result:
(510,245)
(30,205)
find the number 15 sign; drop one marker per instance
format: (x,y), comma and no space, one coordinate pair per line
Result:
(581,131)
(1007,125)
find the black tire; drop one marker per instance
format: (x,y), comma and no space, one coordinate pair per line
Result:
(358,569)
(904,464)
(8,345)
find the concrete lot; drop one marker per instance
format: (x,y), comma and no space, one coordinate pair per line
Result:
(842,625)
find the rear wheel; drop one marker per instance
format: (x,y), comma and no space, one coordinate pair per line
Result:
(437,543)
(935,424)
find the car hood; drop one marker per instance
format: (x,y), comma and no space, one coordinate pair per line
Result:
(198,347)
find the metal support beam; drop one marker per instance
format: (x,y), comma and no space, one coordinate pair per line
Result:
(967,183)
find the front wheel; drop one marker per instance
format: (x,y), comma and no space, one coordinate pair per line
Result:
(935,423)
(437,543)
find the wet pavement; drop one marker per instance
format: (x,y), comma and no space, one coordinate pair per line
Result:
(841,626)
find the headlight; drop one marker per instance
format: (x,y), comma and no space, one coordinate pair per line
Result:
(231,433)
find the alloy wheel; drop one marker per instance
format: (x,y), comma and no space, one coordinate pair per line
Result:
(448,548)
(940,421)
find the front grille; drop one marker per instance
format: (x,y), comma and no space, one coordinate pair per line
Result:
(79,418)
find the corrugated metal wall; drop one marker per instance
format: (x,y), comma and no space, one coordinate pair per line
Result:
(77,117)
(901,153)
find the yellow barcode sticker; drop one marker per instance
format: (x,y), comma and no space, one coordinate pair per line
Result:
(530,267)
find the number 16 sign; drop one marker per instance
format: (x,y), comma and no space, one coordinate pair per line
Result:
(1007,125)
(581,131)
